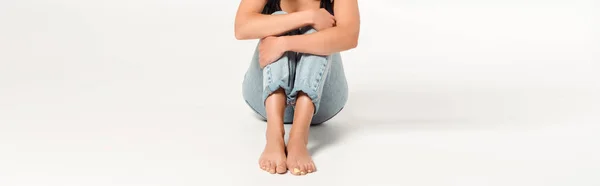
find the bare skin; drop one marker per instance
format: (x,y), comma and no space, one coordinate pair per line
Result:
(342,36)
(335,34)
(273,159)
(299,160)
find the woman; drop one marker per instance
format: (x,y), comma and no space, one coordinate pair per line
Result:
(296,75)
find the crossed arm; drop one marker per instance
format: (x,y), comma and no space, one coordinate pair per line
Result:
(251,24)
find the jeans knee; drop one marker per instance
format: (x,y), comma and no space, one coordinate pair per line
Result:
(281,12)
(309,30)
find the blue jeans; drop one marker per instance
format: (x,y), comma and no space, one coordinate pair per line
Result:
(322,78)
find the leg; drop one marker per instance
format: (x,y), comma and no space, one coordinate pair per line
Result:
(273,159)
(306,94)
(259,83)
(299,160)
(265,91)
(276,81)
(312,74)
(275,84)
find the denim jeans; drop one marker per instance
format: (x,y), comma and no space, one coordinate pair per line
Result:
(322,78)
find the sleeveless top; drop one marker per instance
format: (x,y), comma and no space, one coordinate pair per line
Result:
(274,6)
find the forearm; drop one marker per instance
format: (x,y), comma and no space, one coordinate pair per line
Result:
(258,26)
(326,42)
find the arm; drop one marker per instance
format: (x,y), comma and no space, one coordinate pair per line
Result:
(343,36)
(251,24)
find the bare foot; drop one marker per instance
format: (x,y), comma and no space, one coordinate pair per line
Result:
(299,161)
(273,158)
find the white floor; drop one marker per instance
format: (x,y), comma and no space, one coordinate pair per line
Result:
(132,92)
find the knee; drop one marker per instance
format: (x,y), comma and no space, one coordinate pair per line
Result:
(304,30)
(279,13)
(308,30)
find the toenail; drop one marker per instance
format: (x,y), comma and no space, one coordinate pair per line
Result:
(309,171)
(303,173)
(296,170)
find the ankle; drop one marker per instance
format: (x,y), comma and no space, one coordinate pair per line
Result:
(275,136)
(303,139)
(275,132)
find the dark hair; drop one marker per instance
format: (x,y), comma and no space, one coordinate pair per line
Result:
(274,6)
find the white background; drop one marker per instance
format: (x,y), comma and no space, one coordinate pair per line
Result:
(137,92)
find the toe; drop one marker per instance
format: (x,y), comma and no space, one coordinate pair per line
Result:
(267,166)
(262,165)
(303,170)
(295,170)
(311,168)
(272,167)
(281,168)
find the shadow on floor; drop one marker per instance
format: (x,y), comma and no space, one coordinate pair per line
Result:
(324,135)
(428,109)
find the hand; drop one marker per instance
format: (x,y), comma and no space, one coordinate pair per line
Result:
(322,19)
(270,50)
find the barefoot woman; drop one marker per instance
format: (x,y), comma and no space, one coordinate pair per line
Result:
(296,75)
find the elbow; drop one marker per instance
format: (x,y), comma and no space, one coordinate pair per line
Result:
(240,33)
(353,44)
(240,30)
(353,41)
(352,38)
(239,36)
